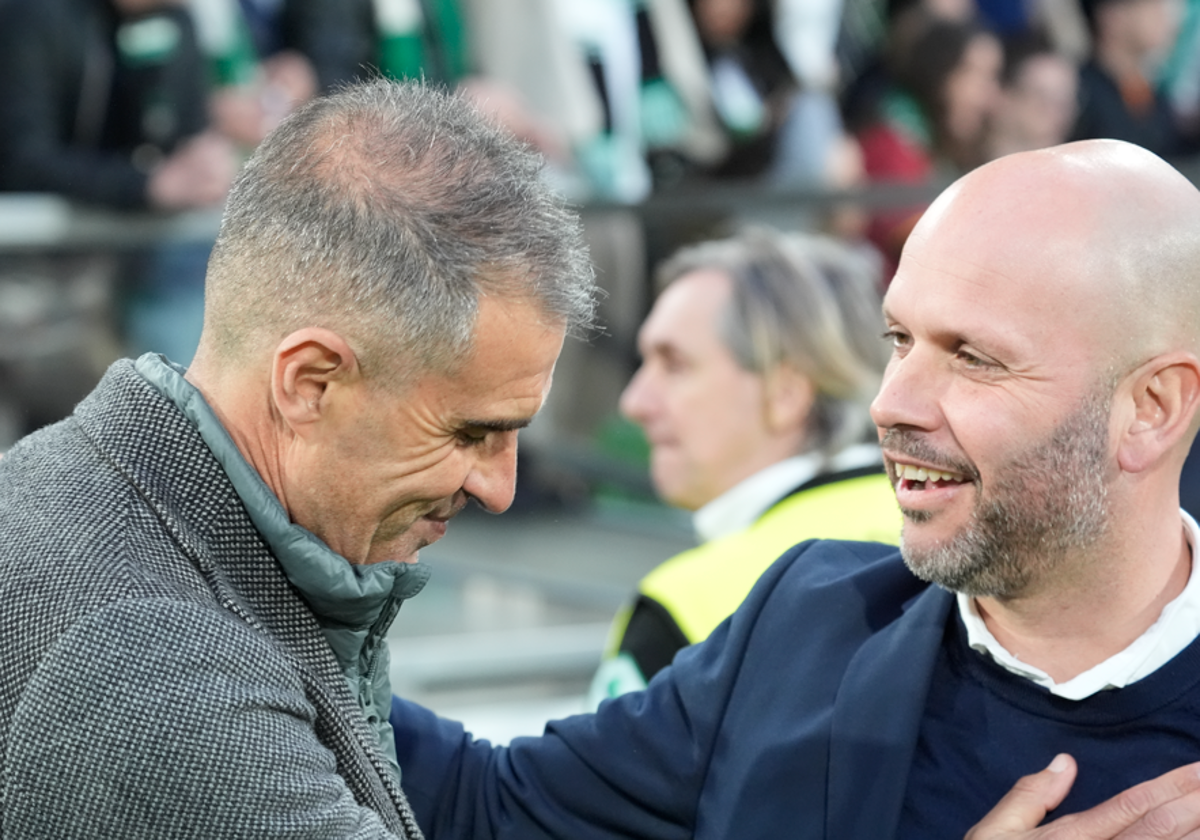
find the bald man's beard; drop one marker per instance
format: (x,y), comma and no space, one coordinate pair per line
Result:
(1049,503)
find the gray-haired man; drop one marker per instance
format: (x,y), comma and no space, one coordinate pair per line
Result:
(197,568)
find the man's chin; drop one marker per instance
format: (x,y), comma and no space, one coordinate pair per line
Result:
(404,549)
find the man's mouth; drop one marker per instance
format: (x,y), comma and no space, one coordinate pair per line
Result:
(911,477)
(450,509)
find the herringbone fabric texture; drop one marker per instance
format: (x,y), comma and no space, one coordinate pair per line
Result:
(159,676)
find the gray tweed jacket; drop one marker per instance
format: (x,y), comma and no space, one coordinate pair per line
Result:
(159,676)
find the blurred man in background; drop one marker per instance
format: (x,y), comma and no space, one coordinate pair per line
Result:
(1037,102)
(1119,93)
(105,103)
(758,360)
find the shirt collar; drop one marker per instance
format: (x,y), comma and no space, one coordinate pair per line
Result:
(1177,626)
(741,505)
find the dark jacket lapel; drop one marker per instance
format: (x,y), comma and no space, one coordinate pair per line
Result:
(876,719)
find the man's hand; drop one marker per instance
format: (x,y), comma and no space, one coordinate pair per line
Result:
(1166,808)
(197,175)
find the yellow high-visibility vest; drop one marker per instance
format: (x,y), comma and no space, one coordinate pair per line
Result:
(701,587)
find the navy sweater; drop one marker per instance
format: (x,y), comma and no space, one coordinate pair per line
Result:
(985,727)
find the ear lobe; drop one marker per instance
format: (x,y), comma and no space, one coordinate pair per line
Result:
(307,368)
(1165,396)
(789,397)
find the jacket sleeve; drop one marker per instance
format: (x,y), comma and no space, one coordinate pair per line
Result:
(635,768)
(161,719)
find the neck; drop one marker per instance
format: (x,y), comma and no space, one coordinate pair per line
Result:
(249,426)
(1080,619)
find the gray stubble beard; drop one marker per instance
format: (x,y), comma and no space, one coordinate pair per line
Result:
(1051,503)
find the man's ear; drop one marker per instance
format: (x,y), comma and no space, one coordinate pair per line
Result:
(307,367)
(1164,398)
(789,396)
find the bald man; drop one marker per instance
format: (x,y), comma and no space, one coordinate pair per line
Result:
(1041,613)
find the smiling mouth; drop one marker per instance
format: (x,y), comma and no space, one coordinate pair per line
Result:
(445,512)
(910,477)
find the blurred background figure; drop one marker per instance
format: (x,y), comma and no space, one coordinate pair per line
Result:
(268,56)
(807,33)
(1119,90)
(929,121)
(877,36)
(104,103)
(1037,102)
(1181,74)
(755,92)
(107,102)
(758,361)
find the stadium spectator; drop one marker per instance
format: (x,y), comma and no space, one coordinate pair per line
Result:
(1036,105)
(1119,95)
(932,120)
(757,361)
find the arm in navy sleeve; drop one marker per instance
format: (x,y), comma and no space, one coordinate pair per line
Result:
(645,764)
(633,769)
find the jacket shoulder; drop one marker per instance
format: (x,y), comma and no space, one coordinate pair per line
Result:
(825,586)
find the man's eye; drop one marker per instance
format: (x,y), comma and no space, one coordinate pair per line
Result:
(972,361)
(471,437)
(674,364)
(896,338)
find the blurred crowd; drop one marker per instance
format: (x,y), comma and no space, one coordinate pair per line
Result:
(153,104)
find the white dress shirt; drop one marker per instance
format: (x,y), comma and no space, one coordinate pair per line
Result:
(1177,626)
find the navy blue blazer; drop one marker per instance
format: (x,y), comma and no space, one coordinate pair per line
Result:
(798,717)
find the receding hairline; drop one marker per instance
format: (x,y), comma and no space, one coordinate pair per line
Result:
(466,199)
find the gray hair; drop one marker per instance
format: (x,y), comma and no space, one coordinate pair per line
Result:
(808,301)
(384,212)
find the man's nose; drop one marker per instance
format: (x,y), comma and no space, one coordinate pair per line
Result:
(492,479)
(906,396)
(636,398)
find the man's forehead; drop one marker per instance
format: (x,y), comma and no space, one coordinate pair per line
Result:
(955,259)
(689,307)
(1026,326)
(997,242)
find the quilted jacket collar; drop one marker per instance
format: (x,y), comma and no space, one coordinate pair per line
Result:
(353,603)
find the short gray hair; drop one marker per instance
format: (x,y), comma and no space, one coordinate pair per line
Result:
(384,212)
(808,301)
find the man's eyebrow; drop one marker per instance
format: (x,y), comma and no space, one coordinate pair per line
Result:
(498,425)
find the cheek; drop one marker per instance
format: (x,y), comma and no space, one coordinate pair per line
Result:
(732,427)
(396,472)
(988,434)
(437,474)
(715,407)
